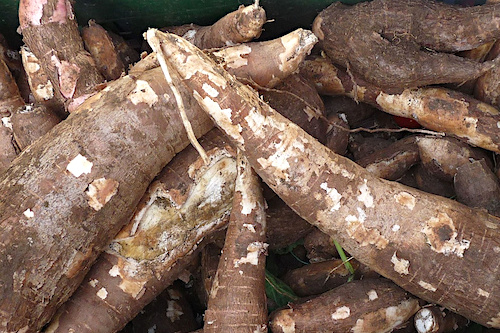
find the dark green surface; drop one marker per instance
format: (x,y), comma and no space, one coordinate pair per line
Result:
(132,17)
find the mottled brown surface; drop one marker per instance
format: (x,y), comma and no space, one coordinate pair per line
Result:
(391,228)
(51,32)
(403,44)
(54,248)
(242,25)
(237,301)
(31,122)
(359,306)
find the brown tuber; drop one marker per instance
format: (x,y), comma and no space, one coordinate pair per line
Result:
(420,241)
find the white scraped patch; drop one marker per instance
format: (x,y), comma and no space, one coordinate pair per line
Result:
(102,293)
(152,329)
(482,292)
(249,227)
(363,235)
(256,123)
(427,285)
(114,271)
(401,266)
(174,311)
(365,197)
(372,295)
(79,165)
(93,282)
(434,229)
(495,321)
(211,91)
(221,116)
(425,321)
(193,65)
(7,123)
(333,195)
(100,191)
(189,35)
(285,321)
(248,202)
(255,249)
(235,56)
(498,124)
(405,199)
(45,91)
(340,313)
(396,227)
(143,93)
(29,213)
(407,103)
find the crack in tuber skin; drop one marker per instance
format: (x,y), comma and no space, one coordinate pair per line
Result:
(438,109)
(441,239)
(403,44)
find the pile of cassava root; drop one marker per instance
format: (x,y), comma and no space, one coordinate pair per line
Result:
(339,179)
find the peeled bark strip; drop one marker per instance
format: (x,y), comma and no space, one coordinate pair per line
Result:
(100,45)
(422,242)
(67,197)
(237,27)
(31,122)
(283,56)
(437,109)
(186,202)
(372,305)
(51,32)
(237,301)
(386,40)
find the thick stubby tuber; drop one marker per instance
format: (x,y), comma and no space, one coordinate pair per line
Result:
(405,44)
(65,198)
(420,241)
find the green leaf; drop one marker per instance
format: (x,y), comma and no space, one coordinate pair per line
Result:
(278,291)
(345,260)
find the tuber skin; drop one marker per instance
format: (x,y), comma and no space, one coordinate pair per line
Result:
(237,27)
(100,45)
(420,241)
(283,54)
(393,161)
(31,122)
(405,44)
(477,186)
(487,85)
(371,305)
(50,30)
(435,108)
(187,202)
(237,301)
(52,233)
(318,277)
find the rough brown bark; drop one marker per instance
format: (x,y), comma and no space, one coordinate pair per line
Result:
(422,242)
(372,305)
(237,301)
(100,45)
(51,32)
(487,85)
(437,109)
(393,161)
(392,43)
(239,26)
(64,199)
(283,56)
(319,277)
(187,201)
(31,122)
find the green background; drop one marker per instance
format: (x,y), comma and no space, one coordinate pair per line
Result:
(131,18)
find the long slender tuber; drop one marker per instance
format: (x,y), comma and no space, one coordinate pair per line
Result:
(423,242)
(435,108)
(237,301)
